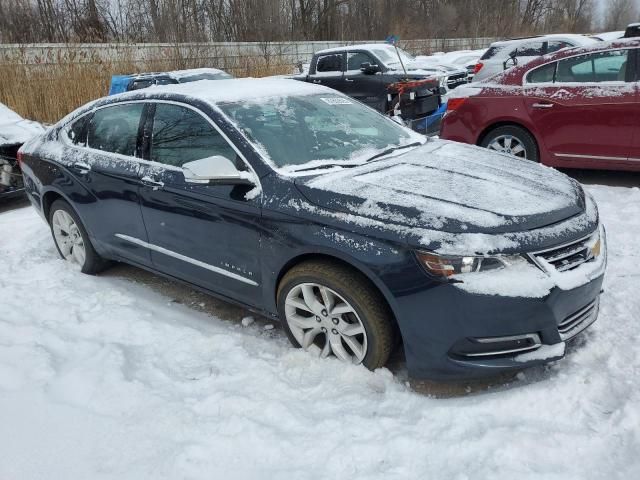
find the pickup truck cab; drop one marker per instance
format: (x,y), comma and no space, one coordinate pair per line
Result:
(373,74)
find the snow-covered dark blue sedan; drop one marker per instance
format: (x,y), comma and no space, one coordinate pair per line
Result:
(301,203)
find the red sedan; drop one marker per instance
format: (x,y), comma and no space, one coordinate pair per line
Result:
(579,107)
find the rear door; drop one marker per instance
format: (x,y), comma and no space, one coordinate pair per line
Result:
(329,70)
(584,107)
(104,152)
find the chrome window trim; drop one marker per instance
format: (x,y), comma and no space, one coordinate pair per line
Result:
(186,259)
(152,163)
(546,84)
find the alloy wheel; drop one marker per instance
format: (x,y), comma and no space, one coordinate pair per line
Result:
(323,322)
(68,237)
(508,144)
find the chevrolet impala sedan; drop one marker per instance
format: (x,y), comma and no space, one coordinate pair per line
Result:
(300,203)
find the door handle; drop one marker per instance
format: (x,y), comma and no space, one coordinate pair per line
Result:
(542,105)
(349,80)
(317,81)
(150,182)
(81,167)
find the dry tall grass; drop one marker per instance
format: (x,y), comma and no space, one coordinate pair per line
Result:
(50,88)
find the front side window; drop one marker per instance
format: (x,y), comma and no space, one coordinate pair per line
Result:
(543,74)
(181,135)
(355,59)
(140,84)
(115,129)
(299,132)
(594,67)
(528,50)
(329,63)
(556,45)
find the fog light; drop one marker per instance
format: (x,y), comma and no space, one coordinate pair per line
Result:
(494,346)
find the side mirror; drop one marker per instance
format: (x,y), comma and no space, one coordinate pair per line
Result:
(215,169)
(369,69)
(510,62)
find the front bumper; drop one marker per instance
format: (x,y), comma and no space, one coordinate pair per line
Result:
(437,340)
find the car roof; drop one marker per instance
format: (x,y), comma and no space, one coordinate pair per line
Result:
(568,52)
(177,74)
(360,46)
(582,39)
(222,91)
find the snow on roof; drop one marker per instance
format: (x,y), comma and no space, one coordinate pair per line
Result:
(177,74)
(577,38)
(14,129)
(232,90)
(360,46)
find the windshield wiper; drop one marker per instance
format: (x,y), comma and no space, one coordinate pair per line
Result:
(393,149)
(326,165)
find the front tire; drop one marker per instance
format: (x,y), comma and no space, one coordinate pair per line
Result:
(329,309)
(512,140)
(72,240)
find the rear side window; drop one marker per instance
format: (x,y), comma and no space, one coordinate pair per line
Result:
(329,63)
(595,67)
(181,135)
(491,52)
(543,74)
(115,129)
(77,131)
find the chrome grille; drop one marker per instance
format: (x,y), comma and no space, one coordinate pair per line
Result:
(578,321)
(456,80)
(565,257)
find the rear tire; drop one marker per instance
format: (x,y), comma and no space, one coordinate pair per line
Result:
(71,238)
(512,140)
(329,309)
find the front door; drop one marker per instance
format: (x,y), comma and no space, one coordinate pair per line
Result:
(588,113)
(368,88)
(202,233)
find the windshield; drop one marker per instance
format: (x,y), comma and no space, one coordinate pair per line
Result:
(389,56)
(300,132)
(205,76)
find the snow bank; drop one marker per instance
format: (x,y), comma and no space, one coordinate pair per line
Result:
(104,378)
(14,129)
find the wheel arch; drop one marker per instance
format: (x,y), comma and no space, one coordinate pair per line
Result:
(542,153)
(331,257)
(48,198)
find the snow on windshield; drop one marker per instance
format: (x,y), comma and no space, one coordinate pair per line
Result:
(295,132)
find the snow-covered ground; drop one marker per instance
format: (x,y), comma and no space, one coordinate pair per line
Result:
(101,377)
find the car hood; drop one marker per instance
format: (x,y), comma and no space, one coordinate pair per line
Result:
(449,187)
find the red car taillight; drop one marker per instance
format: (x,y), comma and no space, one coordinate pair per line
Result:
(455,103)
(478,67)
(19,158)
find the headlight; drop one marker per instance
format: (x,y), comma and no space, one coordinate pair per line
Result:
(447,265)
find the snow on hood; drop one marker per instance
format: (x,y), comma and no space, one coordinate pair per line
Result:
(450,187)
(16,130)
